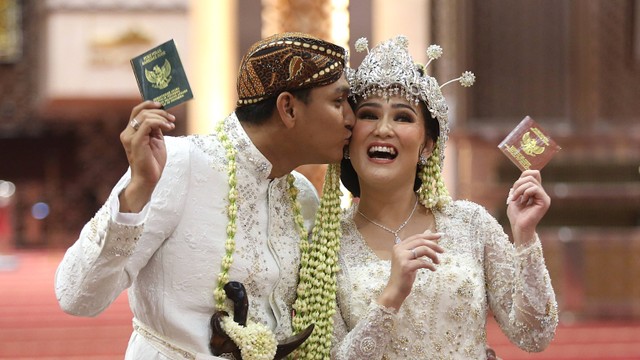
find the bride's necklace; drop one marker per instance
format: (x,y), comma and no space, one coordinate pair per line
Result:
(394,232)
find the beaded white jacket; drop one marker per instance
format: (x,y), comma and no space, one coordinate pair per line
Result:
(169,255)
(445,315)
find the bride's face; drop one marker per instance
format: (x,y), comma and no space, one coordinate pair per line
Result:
(387,140)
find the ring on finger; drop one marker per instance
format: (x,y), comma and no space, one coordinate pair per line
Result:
(135,124)
(415,254)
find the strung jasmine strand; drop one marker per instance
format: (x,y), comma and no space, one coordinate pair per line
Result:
(256,341)
(232,212)
(433,193)
(394,232)
(297,212)
(316,293)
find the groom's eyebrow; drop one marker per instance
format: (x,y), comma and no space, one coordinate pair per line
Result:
(343,89)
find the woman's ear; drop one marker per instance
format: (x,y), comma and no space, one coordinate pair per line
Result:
(285,105)
(427,148)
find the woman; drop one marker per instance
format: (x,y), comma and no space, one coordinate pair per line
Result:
(419,272)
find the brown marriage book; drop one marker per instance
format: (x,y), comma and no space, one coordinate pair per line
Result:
(528,146)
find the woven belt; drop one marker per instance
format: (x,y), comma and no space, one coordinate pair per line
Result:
(162,344)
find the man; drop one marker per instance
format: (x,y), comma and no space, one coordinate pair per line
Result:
(194,211)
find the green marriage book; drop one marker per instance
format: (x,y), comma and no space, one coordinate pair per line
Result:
(161,76)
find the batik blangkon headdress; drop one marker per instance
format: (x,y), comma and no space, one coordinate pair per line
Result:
(287,62)
(388,70)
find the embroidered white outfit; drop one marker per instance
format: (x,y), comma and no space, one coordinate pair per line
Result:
(169,256)
(444,317)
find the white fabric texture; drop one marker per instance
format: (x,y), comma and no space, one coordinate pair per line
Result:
(445,315)
(168,256)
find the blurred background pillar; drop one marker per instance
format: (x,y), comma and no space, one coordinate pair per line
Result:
(213,53)
(7,246)
(411,18)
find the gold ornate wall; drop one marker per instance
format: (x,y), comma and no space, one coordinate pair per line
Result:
(10,30)
(308,16)
(326,19)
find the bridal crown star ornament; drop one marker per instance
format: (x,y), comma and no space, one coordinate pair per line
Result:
(389,70)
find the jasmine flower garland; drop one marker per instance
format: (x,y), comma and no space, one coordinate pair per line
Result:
(255,341)
(433,193)
(316,301)
(317,275)
(297,213)
(232,213)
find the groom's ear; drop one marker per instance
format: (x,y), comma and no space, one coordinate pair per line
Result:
(286,107)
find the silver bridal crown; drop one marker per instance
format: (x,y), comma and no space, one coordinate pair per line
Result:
(388,70)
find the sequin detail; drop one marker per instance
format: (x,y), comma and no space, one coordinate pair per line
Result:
(444,316)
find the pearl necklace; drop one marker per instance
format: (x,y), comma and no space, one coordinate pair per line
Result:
(395,233)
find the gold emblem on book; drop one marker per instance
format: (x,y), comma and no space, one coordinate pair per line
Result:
(530,146)
(160,76)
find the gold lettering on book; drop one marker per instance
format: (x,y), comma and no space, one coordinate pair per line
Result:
(515,152)
(153,56)
(541,136)
(171,96)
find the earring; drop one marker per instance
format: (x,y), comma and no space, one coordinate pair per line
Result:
(422,161)
(345,153)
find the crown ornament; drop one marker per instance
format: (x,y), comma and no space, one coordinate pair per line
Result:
(389,70)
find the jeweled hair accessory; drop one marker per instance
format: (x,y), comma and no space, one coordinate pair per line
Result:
(389,70)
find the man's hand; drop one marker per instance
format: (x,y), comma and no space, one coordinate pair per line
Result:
(144,145)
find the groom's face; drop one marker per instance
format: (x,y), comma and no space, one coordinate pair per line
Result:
(327,120)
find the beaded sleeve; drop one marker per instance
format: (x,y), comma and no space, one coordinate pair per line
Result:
(107,255)
(519,288)
(369,339)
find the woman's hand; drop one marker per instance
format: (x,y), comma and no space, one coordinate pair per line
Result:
(527,204)
(416,252)
(143,143)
